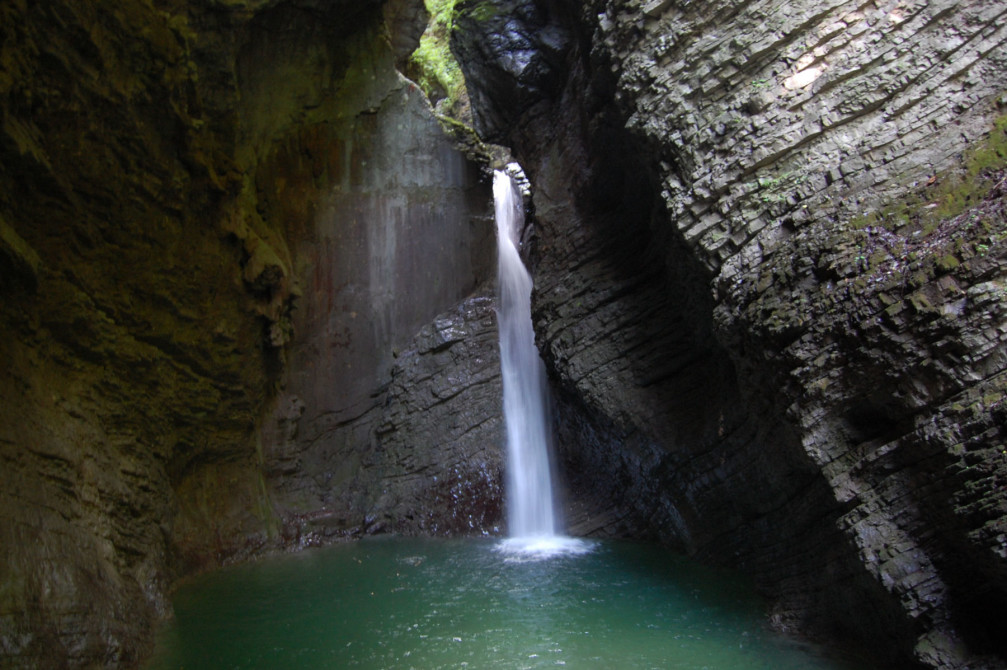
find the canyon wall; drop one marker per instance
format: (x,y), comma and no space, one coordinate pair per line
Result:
(770,289)
(206,209)
(245,305)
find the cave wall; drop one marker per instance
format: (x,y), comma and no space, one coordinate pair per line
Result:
(124,324)
(360,222)
(390,229)
(199,202)
(773,344)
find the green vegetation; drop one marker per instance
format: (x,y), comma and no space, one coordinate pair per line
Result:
(432,65)
(778,188)
(948,195)
(434,68)
(483,11)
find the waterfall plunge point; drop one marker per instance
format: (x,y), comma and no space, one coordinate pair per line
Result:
(530,505)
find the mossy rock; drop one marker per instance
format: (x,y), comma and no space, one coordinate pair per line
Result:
(18,261)
(947,194)
(432,65)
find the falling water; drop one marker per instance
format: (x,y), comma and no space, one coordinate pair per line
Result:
(531,517)
(530,501)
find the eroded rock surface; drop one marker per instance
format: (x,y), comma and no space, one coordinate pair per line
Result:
(424,456)
(206,209)
(386,227)
(440,439)
(777,362)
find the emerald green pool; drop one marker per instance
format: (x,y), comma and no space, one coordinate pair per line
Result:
(424,603)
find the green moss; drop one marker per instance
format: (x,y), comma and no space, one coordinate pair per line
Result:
(432,65)
(894,309)
(467,141)
(948,263)
(921,303)
(878,256)
(483,11)
(778,188)
(992,398)
(948,194)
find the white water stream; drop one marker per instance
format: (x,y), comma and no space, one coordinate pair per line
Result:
(530,505)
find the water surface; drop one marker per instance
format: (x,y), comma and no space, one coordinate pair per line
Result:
(423,603)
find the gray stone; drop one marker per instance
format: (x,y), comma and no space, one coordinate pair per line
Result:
(756,374)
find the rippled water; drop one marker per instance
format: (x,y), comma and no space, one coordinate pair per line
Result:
(421,603)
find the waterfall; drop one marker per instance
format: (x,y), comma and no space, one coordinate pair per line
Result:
(529,477)
(530,505)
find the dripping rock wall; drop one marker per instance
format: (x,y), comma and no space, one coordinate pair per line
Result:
(206,210)
(776,344)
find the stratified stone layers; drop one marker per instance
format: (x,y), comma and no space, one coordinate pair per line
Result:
(205,211)
(753,369)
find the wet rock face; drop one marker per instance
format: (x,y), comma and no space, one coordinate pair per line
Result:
(520,59)
(386,227)
(425,457)
(124,325)
(440,434)
(205,210)
(775,364)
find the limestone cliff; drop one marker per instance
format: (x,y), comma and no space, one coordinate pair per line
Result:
(206,209)
(770,265)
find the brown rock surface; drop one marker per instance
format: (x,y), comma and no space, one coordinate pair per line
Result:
(205,210)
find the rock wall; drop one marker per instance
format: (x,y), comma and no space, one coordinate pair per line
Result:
(389,229)
(437,457)
(769,271)
(125,326)
(362,222)
(199,202)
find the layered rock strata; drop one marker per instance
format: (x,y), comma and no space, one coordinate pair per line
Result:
(423,457)
(775,324)
(188,189)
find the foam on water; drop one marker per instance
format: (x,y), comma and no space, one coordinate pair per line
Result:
(543,547)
